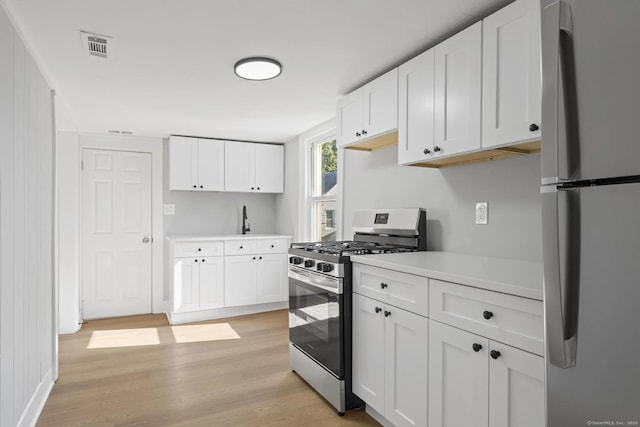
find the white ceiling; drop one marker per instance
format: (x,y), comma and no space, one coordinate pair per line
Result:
(171,70)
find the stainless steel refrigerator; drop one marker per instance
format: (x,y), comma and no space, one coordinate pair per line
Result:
(591,210)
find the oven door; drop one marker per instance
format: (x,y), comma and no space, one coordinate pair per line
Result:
(316,318)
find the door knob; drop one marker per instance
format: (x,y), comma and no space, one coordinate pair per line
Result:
(145,240)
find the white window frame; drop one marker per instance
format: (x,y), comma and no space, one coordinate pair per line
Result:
(315,163)
(321,133)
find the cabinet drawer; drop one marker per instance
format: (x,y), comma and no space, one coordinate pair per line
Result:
(402,290)
(197,249)
(239,247)
(275,246)
(511,320)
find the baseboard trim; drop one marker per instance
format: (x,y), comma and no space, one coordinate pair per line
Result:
(220,313)
(34,408)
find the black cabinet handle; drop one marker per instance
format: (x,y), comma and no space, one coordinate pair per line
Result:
(202,260)
(427,151)
(495,354)
(252,188)
(387,313)
(378,309)
(487,314)
(195,186)
(254,257)
(258,188)
(272,246)
(201,186)
(260,257)
(196,260)
(364,132)
(476,347)
(533,127)
(199,249)
(436,148)
(383,285)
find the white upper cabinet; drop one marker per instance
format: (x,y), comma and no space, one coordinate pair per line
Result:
(196,164)
(369,111)
(252,167)
(415,108)
(458,62)
(511,83)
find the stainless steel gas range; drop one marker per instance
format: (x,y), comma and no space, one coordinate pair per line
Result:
(320,297)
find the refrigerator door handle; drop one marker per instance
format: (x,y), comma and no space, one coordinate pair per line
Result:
(560,332)
(557,108)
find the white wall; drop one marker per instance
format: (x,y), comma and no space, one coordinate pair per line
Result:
(511,187)
(287,203)
(27,327)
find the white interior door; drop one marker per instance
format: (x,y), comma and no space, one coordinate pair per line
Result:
(116,233)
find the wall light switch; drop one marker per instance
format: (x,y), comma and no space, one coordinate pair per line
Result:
(482,213)
(169,209)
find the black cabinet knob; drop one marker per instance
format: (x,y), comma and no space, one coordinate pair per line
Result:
(533,127)
(387,313)
(201,186)
(272,246)
(195,186)
(476,347)
(364,132)
(252,188)
(240,247)
(357,133)
(495,354)
(427,151)
(378,309)
(383,285)
(260,257)
(258,188)
(436,148)
(254,257)
(196,260)
(202,260)
(487,314)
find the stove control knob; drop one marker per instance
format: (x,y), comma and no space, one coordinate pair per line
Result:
(319,266)
(309,263)
(295,260)
(327,268)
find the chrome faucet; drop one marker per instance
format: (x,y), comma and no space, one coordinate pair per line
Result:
(245,226)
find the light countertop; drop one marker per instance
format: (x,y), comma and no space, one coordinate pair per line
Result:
(203,238)
(521,278)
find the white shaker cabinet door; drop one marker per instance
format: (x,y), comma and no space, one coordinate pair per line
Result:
(186,278)
(349,118)
(511,81)
(458,62)
(269,168)
(272,278)
(210,165)
(240,280)
(380,105)
(183,163)
(406,366)
(368,351)
(239,166)
(211,282)
(415,108)
(516,390)
(458,377)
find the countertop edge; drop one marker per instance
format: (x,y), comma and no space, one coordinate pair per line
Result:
(496,286)
(223,237)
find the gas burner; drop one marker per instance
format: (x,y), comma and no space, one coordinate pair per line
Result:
(348,247)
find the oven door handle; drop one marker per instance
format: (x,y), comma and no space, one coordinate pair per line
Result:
(331,285)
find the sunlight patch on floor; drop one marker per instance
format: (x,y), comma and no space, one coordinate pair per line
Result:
(123,338)
(202,333)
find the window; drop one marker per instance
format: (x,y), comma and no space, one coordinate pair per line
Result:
(324,180)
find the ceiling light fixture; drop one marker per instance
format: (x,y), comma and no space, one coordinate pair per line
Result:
(257,68)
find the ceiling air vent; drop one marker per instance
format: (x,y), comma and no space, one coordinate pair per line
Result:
(96,45)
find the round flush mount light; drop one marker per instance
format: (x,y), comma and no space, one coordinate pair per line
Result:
(257,68)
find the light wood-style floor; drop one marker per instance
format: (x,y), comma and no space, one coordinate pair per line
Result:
(139,371)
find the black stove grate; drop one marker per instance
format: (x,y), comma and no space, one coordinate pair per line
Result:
(350,247)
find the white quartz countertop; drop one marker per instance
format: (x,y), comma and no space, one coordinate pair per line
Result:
(203,238)
(521,278)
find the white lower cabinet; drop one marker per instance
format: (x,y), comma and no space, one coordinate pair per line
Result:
(255,279)
(198,283)
(390,360)
(474,381)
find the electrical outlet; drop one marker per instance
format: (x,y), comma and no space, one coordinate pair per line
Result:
(482,213)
